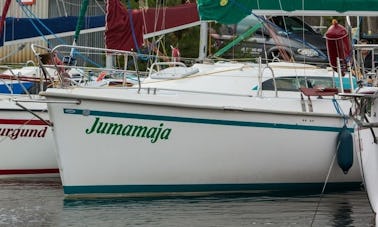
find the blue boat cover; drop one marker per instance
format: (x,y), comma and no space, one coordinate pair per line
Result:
(23,28)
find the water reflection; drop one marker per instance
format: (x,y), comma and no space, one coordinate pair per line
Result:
(40,202)
(347,208)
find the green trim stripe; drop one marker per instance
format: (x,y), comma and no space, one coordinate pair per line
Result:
(202,121)
(187,188)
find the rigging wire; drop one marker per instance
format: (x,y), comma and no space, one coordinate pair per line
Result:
(303,32)
(100,7)
(58,7)
(30,15)
(64,8)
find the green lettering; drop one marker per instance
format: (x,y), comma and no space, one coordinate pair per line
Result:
(127,130)
(89,131)
(139,131)
(153,133)
(114,129)
(165,134)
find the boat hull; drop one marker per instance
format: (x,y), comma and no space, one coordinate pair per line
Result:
(15,87)
(27,146)
(174,144)
(368,157)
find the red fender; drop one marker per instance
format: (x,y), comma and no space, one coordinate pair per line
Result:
(175,54)
(338,45)
(101,76)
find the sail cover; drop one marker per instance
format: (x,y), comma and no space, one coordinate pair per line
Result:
(232,11)
(126,29)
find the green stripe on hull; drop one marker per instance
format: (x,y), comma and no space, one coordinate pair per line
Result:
(203,121)
(209,188)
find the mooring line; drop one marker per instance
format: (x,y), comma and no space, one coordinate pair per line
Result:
(34,114)
(324,186)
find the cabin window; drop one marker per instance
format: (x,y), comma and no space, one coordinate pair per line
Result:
(282,83)
(294,83)
(320,83)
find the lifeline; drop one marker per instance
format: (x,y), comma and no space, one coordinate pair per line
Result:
(153,133)
(14,133)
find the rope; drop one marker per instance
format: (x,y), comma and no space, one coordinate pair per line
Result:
(339,110)
(129,11)
(360,158)
(323,189)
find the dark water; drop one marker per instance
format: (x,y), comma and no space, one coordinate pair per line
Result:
(40,202)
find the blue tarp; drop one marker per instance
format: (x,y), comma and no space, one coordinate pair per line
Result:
(23,28)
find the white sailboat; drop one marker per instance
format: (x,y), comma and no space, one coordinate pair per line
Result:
(208,128)
(212,127)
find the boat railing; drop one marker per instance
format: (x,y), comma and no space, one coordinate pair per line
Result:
(339,81)
(79,65)
(365,65)
(365,68)
(41,57)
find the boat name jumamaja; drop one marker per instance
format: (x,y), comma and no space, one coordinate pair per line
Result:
(153,133)
(14,133)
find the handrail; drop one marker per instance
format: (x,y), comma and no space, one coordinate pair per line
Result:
(261,72)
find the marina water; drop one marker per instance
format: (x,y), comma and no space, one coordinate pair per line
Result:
(40,202)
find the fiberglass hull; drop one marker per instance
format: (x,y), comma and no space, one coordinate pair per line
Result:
(119,141)
(27,145)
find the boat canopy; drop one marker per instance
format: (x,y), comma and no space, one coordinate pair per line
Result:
(232,11)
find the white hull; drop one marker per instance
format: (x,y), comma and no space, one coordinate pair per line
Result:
(368,156)
(207,142)
(27,146)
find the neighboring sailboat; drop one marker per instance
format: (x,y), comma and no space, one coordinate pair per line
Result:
(25,133)
(364,112)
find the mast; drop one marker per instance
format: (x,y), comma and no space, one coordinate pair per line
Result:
(4,14)
(202,52)
(79,25)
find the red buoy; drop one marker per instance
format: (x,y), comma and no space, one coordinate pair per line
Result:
(338,45)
